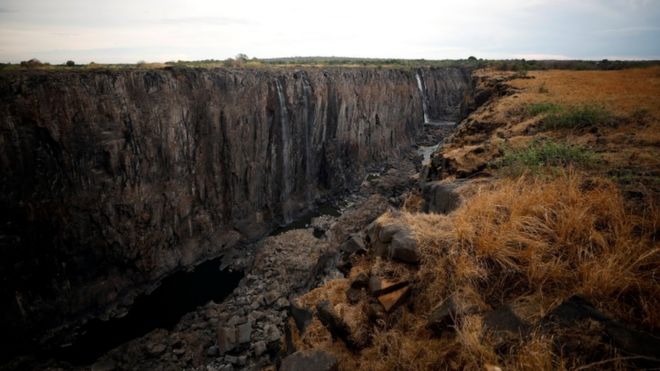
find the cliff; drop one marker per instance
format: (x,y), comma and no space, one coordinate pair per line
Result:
(110,180)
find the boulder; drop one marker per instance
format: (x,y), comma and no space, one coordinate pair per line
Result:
(354,244)
(272,333)
(439,198)
(505,323)
(394,241)
(404,247)
(308,360)
(331,320)
(446,314)
(244,333)
(301,316)
(388,231)
(577,309)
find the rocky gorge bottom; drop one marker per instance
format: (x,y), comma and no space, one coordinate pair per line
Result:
(249,328)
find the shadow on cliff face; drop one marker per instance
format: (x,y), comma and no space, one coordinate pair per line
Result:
(178,294)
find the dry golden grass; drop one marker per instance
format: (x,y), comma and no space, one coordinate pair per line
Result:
(623,92)
(530,243)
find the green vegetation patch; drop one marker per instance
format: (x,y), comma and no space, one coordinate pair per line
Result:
(543,156)
(577,117)
(559,117)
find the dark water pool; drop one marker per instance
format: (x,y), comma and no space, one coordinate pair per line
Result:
(177,295)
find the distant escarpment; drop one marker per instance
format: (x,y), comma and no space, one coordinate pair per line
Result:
(111,180)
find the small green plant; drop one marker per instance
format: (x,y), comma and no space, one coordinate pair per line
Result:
(577,117)
(534,109)
(541,157)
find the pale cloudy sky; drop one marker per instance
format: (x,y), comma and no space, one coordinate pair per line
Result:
(161,30)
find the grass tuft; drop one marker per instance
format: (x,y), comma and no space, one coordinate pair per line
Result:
(539,157)
(577,117)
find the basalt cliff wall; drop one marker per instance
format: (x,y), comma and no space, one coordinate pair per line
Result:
(110,180)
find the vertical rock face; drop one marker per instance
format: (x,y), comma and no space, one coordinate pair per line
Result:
(110,180)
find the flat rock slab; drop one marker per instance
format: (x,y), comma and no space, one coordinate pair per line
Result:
(380,286)
(439,197)
(309,360)
(504,322)
(393,299)
(446,314)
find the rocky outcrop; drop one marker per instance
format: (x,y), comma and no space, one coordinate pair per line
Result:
(110,180)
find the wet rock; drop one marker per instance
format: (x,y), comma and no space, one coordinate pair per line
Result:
(308,360)
(392,300)
(301,316)
(439,198)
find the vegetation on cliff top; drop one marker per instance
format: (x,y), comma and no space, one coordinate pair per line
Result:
(243,61)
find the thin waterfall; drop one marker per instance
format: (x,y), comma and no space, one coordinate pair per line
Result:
(308,130)
(287,178)
(422,91)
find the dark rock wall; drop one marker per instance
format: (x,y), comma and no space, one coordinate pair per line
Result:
(110,180)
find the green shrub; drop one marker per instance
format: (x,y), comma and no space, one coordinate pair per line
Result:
(577,117)
(541,156)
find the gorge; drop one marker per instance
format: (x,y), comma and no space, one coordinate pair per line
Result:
(113,180)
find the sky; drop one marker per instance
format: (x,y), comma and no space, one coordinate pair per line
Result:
(128,31)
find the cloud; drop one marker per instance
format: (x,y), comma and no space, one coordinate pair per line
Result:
(214,21)
(158,30)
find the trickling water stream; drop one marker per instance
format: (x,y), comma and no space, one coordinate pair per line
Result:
(422,91)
